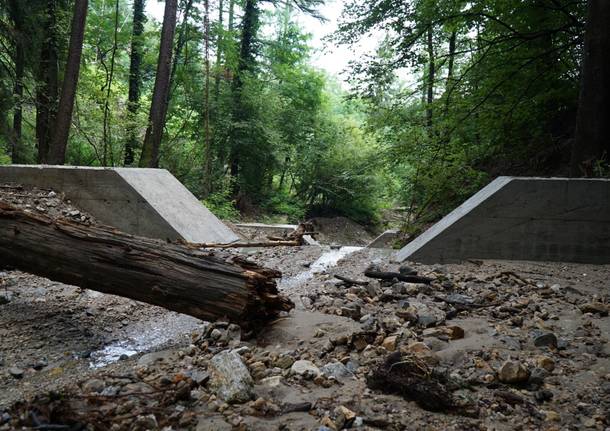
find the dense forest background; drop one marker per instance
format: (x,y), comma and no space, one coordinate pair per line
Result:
(222,93)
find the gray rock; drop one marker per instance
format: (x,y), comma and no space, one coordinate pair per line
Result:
(406,270)
(198,376)
(148,422)
(459,299)
(230,379)
(284,361)
(427,315)
(216,423)
(94,386)
(511,343)
(110,391)
(336,370)
(373,288)
(305,368)
(352,311)
(537,376)
(16,372)
(545,339)
(513,372)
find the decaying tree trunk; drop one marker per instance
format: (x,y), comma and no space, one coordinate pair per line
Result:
(208,286)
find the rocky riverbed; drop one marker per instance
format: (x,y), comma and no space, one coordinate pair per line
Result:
(481,345)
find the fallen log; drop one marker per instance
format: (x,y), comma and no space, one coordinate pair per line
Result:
(207,285)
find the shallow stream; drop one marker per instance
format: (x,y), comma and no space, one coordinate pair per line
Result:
(151,335)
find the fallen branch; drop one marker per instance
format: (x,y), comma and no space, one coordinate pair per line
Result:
(206,285)
(388,275)
(195,245)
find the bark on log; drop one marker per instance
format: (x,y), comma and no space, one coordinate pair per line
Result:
(206,285)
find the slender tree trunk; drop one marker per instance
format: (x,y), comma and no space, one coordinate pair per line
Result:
(46,92)
(450,65)
(207,172)
(16,13)
(245,64)
(106,131)
(135,76)
(592,140)
(431,73)
(182,39)
(219,53)
(158,107)
(231,24)
(57,151)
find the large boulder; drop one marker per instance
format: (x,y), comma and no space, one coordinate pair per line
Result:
(230,379)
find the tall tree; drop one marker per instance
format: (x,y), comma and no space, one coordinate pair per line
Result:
(430,80)
(181,42)
(219,50)
(135,76)
(46,91)
(107,150)
(207,170)
(17,16)
(158,107)
(57,151)
(247,51)
(592,141)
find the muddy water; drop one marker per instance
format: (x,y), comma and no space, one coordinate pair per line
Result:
(154,334)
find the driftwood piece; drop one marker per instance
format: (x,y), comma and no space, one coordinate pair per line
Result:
(205,285)
(388,275)
(198,245)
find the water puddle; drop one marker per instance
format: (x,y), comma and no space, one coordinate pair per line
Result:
(148,336)
(327,260)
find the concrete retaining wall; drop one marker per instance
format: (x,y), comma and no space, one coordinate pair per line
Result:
(518,218)
(144,202)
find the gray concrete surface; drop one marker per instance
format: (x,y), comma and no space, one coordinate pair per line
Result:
(143,202)
(385,239)
(520,218)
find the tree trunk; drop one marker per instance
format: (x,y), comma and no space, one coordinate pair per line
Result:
(207,286)
(450,65)
(431,73)
(16,13)
(57,151)
(135,77)
(182,39)
(106,131)
(158,107)
(219,53)
(592,140)
(207,169)
(244,65)
(46,92)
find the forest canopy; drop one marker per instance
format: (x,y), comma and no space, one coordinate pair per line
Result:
(224,95)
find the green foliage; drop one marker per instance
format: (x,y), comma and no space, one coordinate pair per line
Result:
(502,99)
(4,158)
(221,204)
(287,206)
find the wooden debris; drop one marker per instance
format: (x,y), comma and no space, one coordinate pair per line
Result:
(388,275)
(206,285)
